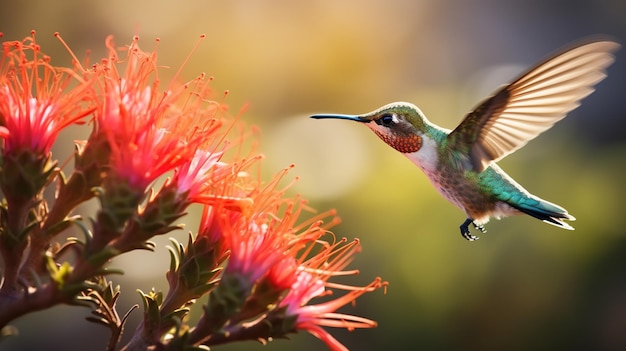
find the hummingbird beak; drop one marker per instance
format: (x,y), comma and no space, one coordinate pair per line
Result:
(334,116)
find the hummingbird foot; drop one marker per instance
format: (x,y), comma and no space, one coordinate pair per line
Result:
(465,229)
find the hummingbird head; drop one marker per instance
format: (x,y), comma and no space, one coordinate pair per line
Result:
(400,124)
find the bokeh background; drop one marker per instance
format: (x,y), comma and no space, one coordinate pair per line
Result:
(524,286)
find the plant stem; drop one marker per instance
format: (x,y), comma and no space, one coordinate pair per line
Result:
(11,309)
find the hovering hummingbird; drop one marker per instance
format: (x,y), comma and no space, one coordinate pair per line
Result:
(461,163)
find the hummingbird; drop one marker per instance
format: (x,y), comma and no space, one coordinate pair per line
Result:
(461,163)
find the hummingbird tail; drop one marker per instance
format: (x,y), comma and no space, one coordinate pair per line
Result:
(547,212)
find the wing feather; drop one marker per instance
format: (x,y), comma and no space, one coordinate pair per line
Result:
(534,102)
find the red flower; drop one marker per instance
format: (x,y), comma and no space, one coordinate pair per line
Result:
(36,101)
(312,282)
(148,133)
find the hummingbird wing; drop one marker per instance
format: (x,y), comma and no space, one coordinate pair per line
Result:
(535,101)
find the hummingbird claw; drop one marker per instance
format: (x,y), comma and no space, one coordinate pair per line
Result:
(481,228)
(465,233)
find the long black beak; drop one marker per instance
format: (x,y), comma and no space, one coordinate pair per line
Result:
(334,116)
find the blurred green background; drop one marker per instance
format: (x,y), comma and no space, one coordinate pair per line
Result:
(524,286)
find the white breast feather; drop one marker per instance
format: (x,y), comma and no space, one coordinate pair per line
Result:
(426,157)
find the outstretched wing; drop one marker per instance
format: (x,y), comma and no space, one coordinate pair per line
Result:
(530,105)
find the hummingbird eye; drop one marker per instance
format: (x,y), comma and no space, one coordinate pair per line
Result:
(387,119)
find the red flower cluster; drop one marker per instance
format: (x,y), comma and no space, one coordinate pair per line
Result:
(142,132)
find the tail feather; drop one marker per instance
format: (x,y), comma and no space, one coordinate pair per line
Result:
(546,211)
